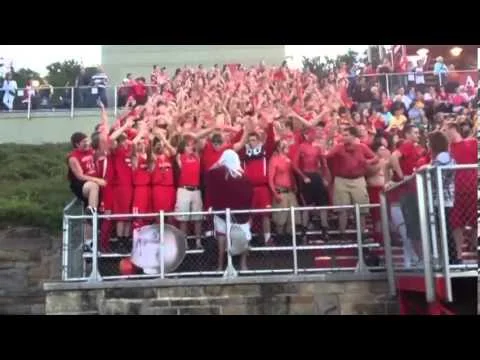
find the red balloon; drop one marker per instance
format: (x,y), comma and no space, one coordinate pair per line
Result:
(126,267)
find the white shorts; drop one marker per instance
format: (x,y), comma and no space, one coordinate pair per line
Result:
(221,227)
(187,201)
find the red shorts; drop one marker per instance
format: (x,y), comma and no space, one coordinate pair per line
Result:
(163,198)
(122,201)
(374,196)
(464,211)
(106,199)
(262,198)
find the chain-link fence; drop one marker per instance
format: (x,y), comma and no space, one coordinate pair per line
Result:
(267,241)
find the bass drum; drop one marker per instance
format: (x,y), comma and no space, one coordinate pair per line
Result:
(147,253)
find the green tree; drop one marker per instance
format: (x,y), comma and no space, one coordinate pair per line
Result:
(21,76)
(321,67)
(59,74)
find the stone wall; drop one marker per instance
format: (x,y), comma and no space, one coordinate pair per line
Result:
(28,257)
(278,295)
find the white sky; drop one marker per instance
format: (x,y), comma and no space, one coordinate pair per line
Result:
(37,57)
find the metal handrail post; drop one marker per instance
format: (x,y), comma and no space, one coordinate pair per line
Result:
(443,234)
(230,272)
(294,241)
(162,244)
(95,274)
(432,221)
(425,238)
(29,105)
(65,224)
(72,103)
(361,266)
(387,242)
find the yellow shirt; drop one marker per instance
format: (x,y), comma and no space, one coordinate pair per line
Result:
(397,122)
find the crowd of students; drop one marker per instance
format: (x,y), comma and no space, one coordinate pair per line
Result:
(300,140)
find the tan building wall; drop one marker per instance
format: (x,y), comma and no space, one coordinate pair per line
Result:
(118,60)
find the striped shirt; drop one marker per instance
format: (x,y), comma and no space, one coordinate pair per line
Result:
(100,80)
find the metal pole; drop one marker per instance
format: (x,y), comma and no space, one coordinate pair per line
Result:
(29,105)
(387,243)
(230,272)
(72,103)
(65,249)
(162,244)
(432,221)
(422,211)
(440,79)
(95,274)
(443,234)
(115,101)
(361,267)
(294,241)
(387,85)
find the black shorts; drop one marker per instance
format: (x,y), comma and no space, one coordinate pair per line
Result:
(315,192)
(77,188)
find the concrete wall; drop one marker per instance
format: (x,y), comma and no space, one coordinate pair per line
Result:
(118,60)
(41,128)
(28,257)
(272,295)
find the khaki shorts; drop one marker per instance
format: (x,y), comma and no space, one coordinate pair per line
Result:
(351,192)
(188,201)
(282,218)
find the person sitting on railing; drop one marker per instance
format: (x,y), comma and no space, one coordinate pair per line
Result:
(464,212)
(350,187)
(82,174)
(441,71)
(230,189)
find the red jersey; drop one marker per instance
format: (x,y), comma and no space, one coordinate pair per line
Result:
(162,174)
(190,170)
(465,152)
(123,164)
(87,163)
(141,174)
(105,168)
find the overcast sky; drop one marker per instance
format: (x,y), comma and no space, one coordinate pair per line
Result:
(37,57)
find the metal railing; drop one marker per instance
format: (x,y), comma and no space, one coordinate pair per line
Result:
(426,197)
(297,257)
(76,100)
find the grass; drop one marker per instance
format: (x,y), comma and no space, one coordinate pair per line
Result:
(33,185)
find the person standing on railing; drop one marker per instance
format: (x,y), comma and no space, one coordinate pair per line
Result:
(99,82)
(230,189)
(350,188)
(464,211)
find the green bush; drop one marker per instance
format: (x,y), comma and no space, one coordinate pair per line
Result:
(33,185)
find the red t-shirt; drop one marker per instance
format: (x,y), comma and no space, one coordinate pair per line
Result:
(141,174)
(410,154)
(162,174)
(85,158)
(210,155)
(228,192)
(465,152)
(190,170)
(123,164)
(350,161)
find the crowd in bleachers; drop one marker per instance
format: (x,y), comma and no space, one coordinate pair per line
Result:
(300,139)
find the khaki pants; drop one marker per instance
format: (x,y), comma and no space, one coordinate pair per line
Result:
(350,192)
(283,218)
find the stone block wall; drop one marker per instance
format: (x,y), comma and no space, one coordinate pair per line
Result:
(283,295)
(28,257)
